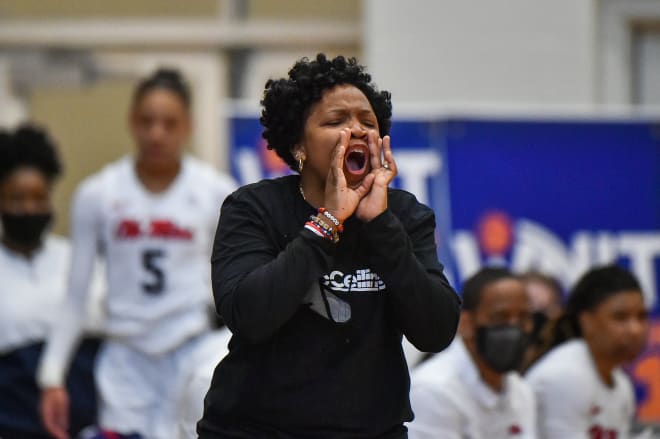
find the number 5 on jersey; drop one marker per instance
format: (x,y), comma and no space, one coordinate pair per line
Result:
(151,261)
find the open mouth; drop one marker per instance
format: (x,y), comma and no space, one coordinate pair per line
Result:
(355,161)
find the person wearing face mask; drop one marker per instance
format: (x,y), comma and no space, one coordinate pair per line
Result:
(472,389)
(581,391)
(33,269)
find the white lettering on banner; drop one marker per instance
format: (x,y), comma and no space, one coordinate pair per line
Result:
(642,249)
(466,253)
(537,248)
(415,168)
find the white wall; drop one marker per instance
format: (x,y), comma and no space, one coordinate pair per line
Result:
(480,51)
(13,109)
(648,66)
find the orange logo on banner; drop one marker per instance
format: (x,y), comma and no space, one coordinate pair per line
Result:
(495,233)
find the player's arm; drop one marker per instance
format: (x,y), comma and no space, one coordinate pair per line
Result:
(257,287)
(436,414)
(66,333)
(425,307)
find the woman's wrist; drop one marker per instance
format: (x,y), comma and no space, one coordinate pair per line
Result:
(333,219)
(324,224)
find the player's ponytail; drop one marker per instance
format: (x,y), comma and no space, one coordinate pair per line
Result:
(164,78)
(590,291)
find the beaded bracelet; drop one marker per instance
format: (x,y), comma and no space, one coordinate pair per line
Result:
(316,229)
(321,231)
(332,218)
(331,232)
(320,227)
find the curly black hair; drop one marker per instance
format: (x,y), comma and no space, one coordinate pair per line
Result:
(167,79)
(29,146)
(287,101)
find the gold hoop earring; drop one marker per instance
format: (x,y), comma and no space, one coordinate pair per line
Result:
(300,164)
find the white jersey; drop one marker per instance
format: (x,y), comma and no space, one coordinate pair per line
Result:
(451,401)
(573,402)
(197,380)
(32,289)
(156,248)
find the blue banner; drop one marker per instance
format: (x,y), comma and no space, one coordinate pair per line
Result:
(552,196)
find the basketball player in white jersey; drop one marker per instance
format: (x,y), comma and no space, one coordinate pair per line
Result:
(580,389)
(152,217)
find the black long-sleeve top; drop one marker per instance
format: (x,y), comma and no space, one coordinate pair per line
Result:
(316,347)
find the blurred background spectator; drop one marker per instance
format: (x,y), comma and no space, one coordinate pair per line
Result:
(473,388)
(580,388)
(34,266)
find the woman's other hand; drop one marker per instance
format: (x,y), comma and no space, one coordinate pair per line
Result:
(383,171)
(340,199)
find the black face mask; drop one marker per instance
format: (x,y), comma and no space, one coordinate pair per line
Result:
(502,347)
(25,229)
